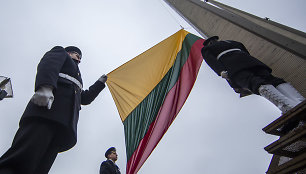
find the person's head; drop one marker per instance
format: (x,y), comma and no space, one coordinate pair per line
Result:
(74,52)
(210,40)
(111,154)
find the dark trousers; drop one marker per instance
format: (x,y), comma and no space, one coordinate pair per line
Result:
(33,150)
(252,79)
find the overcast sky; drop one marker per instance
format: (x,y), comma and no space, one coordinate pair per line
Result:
(215,132)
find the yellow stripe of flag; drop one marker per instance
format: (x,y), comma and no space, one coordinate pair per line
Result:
(130,83)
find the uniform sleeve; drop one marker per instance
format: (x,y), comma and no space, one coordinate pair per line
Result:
(212,61)
(87,96)
(49,67)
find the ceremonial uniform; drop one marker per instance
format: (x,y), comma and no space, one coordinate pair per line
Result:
(246,74)
(244,71)
(45,132)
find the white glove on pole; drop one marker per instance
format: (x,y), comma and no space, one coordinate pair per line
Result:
(103,78)
(43,97)
(224,74)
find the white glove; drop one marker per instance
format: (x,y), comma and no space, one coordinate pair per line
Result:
(43,97)
(224,75)
(103,78)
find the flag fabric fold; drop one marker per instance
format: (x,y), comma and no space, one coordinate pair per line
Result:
(150,90)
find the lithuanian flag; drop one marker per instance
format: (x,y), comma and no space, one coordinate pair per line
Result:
(150,90)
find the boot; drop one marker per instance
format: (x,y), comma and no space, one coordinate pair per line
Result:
(278,99)
(289,91)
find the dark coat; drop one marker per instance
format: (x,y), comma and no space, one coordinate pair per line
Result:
(108,167)
(67,96)
(232,62)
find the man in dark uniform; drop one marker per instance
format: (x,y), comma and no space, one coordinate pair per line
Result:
(246,74)
(49,123)
(109,166)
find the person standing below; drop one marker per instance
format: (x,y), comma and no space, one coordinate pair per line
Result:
(109,166)
(246,74)
(49,123)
